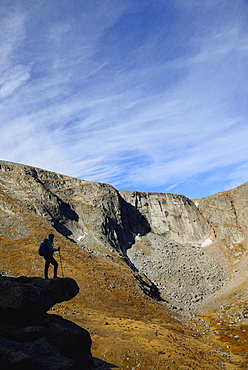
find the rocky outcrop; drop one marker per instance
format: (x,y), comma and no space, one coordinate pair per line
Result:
(172,216)
(188,245)
(82,210)
(35,294)
(227,213)
(86,211)
(32,339)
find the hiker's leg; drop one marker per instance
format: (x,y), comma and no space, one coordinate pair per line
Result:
(46,268)
(55,264)
(55,270)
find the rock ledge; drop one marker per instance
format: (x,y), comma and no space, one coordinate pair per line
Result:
(34,294)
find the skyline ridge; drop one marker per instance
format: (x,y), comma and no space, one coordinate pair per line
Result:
(141,95)
(118,190)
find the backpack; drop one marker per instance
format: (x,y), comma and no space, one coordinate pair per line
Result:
(43,248)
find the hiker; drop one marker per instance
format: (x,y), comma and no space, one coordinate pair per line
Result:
(48,255)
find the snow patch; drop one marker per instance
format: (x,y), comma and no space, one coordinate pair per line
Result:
(81,237)
(207,243)
(197,204)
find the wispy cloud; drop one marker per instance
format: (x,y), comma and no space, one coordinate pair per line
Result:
(145,96)
(12,80)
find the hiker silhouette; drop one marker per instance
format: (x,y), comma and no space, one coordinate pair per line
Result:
(48,256)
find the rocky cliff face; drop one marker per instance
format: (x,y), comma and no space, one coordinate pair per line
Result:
(172,216)
(188,255)
(227,214)
(77,208)
(165,237)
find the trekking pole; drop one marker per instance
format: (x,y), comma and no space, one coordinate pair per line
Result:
(61,264)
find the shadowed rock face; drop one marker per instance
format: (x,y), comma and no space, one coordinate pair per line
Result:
(172,216)
(35,294)
(82,210)
(32,339)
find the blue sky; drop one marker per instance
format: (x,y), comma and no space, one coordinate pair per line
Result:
(146,95)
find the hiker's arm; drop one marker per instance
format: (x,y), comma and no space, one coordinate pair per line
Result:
(50,246)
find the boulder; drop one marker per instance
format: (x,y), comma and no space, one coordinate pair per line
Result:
(48,351)
(34,294)
(32,339)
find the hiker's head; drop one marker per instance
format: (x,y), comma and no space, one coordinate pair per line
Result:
(51,237)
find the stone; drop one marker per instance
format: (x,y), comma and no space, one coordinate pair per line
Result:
(32,339)
(13,357)
(34,294)
(172,216)
(184,275)
(67,335)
